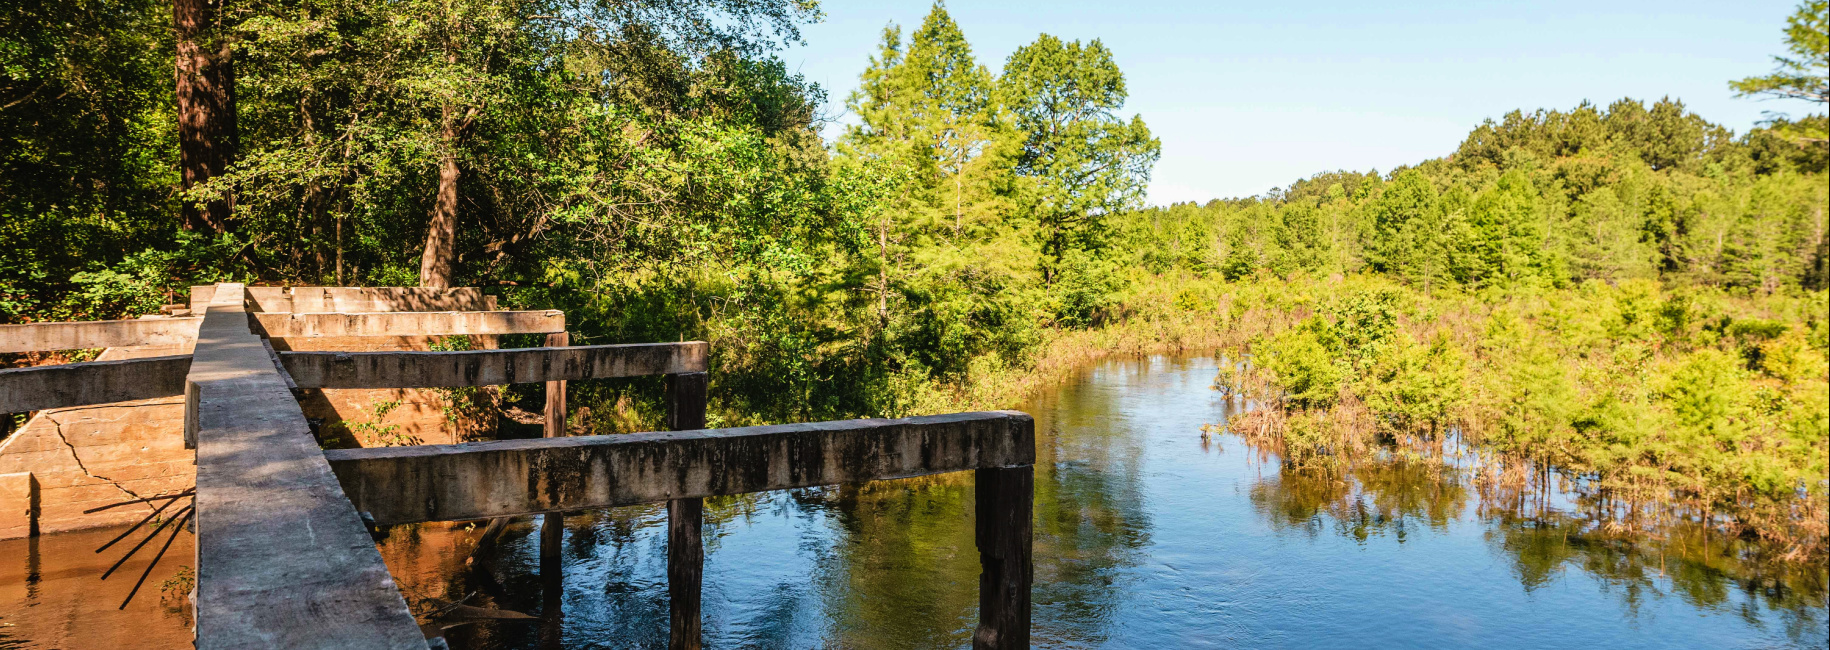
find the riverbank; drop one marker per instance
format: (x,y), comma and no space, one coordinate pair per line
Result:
(1652,403)
(1649,404)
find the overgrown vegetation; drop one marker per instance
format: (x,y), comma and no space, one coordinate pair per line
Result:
(1630,300)
(1649,403)
(1630,294)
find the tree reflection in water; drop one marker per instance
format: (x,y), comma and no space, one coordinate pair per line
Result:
(1396,495)
(1146,535)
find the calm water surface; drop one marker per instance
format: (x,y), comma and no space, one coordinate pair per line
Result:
(1146,537)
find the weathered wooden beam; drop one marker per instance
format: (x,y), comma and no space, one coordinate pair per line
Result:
(431,323)
(686,401)
(79,335)
(512,477)
(1004,508)
(94,382)
(283,560)
(490,367)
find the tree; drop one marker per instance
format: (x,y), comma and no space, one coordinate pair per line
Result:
(207,137)
(931,108)
(1082,160)
(954,116)
(1509,232)
(929,117)
(1666,136)
(435,135)
(1415,236)
(1805,75)
(87,137)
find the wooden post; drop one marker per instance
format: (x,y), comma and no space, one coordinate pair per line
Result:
(1004,502)
(686,401)
(685,553)
(552,584)
(556,393)
(685,572)
(552,525)
(552,531)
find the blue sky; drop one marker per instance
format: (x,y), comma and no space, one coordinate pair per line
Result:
(1250,96)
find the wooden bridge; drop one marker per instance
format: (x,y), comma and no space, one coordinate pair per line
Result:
(285,557)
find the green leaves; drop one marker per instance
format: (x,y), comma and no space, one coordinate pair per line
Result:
(87,144)
(1806,74)
(1082,160)
(1608,386)
(1305,361)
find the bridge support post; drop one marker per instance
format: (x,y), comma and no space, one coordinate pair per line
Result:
(685,552)
(556,393)
(1004,501)
(552,525)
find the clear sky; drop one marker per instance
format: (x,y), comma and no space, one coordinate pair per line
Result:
(1247,96)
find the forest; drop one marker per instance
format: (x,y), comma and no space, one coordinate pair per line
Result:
(1626,294)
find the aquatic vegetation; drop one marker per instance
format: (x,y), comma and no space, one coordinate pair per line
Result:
(1651,403)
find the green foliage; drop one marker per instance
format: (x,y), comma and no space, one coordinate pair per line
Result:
(87,149)
(371,431)
(1547,200)
(1305,362)
(178,587)
(1716,401)
(1806,74)
(1081,159)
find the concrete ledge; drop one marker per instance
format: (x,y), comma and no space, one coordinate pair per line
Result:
(512,477)
(438,323)
(18,505)
(490,367)
(352,299)
(80,335)
(96,382)
(353,343)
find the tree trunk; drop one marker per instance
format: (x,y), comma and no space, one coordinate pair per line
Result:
(206,108)
(958,190)
(441,235)
(883,271)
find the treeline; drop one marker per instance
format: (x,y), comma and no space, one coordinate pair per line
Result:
(654,169)
(1547,199)
(651,167)
(521,139)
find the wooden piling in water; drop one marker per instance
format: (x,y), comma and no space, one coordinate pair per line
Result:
(1004,501)
(685,551)
(552,525)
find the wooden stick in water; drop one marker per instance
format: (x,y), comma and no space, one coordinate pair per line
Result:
(155,561)
(137,526)
(182,514)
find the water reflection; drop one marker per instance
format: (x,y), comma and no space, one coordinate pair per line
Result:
(1146,535)
(52,595)
(1387,498)
(1541,544)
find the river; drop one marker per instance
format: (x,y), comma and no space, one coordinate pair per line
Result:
(1147,536)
